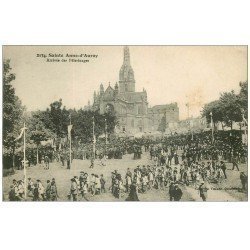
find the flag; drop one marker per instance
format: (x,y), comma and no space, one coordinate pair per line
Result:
(69,130)
(245,120)
(21,134)
(94,140)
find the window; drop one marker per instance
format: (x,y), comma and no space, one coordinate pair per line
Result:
(132,123)
(140,110)
(140,129)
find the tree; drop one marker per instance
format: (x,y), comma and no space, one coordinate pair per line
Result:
(230,108)
(214,108)
(38,133)
(12,114)
(82,121)
(243,98)
(57,118)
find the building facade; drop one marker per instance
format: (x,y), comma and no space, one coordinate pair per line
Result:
(131,107)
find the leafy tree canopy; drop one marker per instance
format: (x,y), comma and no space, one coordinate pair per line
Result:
(229,108)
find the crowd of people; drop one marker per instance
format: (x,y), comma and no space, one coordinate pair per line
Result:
(176,161)
(35,190)
(139,180)
(86,184)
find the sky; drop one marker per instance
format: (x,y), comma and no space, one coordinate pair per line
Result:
(184,74)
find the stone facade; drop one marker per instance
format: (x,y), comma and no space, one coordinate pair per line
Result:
(131,107)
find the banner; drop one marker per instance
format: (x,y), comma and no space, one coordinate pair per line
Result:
(69,130)
(20,136)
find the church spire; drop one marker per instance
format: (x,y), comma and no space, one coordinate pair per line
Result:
(126,56)
(126,75)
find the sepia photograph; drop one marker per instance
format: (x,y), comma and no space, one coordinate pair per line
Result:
(125,123)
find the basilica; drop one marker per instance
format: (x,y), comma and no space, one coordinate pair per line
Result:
(131,107)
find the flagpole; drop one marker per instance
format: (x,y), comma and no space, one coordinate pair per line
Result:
(191,128)
(93,139)
(106,138)
(70,144)
(245,132)
(245,126)
(24,162)
(212,126)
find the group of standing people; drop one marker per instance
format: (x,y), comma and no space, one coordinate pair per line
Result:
(35,190)
(85,185)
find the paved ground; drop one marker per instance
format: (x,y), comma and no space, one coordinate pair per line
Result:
(62,176)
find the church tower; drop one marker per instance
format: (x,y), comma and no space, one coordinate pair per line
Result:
(126,76)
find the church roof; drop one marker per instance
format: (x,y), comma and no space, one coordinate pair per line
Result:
(164,106)
(109,89)
(133,96)
(109,94)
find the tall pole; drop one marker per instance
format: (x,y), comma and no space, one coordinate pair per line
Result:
(192,129)
(106,137)
(13,157)
(37,161)
(93,139)
(70,143)
(24,162)
(212,126)
(245,132)
(189,120)
(165,121)
(245,126)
